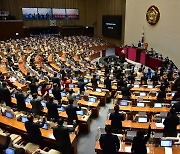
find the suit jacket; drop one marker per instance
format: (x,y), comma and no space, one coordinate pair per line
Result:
(139,144)
(71,112)
(56,80)
(36,105)
(34,132)
(21,105)
(33,87)
(81,86)
(109,143)
(170,124)
(116,120)
(107,82)
(6,96)
(61,135)
(52,110)
(56,93)
(94,82)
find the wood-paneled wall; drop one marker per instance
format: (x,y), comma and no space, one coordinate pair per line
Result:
(91,12)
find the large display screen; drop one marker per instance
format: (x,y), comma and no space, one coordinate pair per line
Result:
(44,13)
(112,26)
(72,13)
(29,13)
(59,13)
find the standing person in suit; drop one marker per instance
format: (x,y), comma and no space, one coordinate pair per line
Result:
(109,143)
(55,79)
(56,91)
(36,104)
(170,124)
(61,134)
(20,97)
(33,130)
(71,112)
(155,78)
(81,85)
(52,109)
(107,83)
(94,82)
(33,87)
(139,142)
(116,119)
(5,94)
(126,91)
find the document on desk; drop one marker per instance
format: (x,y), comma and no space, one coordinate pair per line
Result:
(51,136)
(90,103)
(128,149)
(160,125)
(168,150)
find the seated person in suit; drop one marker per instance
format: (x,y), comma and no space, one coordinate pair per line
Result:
(116,119)
(61,134)
(170,124)
(139,142)
(109,143)
(71,112)
(33,130)
(94,82)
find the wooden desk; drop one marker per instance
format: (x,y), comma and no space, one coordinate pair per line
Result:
(18,127)
(94,106)
(84,122)
(152,149)
(99,95)
(128,124)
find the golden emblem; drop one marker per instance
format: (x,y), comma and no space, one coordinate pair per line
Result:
(152,15)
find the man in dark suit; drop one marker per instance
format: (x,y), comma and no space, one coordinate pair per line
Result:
(56,91)
(139,142)
(144,79)
(71,112)
(81,85)
(61,134)
(155,78)
(126,91)
(107,83)
(20,97)
(33,130)
(170,124)
(116,119)
(55,79)
(109,143)
(94,82)
(33,87)
(52,109)
(5,94)
(176,106)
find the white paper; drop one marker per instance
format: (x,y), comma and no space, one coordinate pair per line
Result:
(159,125)
(168,150)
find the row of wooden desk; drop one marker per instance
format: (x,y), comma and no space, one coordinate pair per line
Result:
(14,126)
